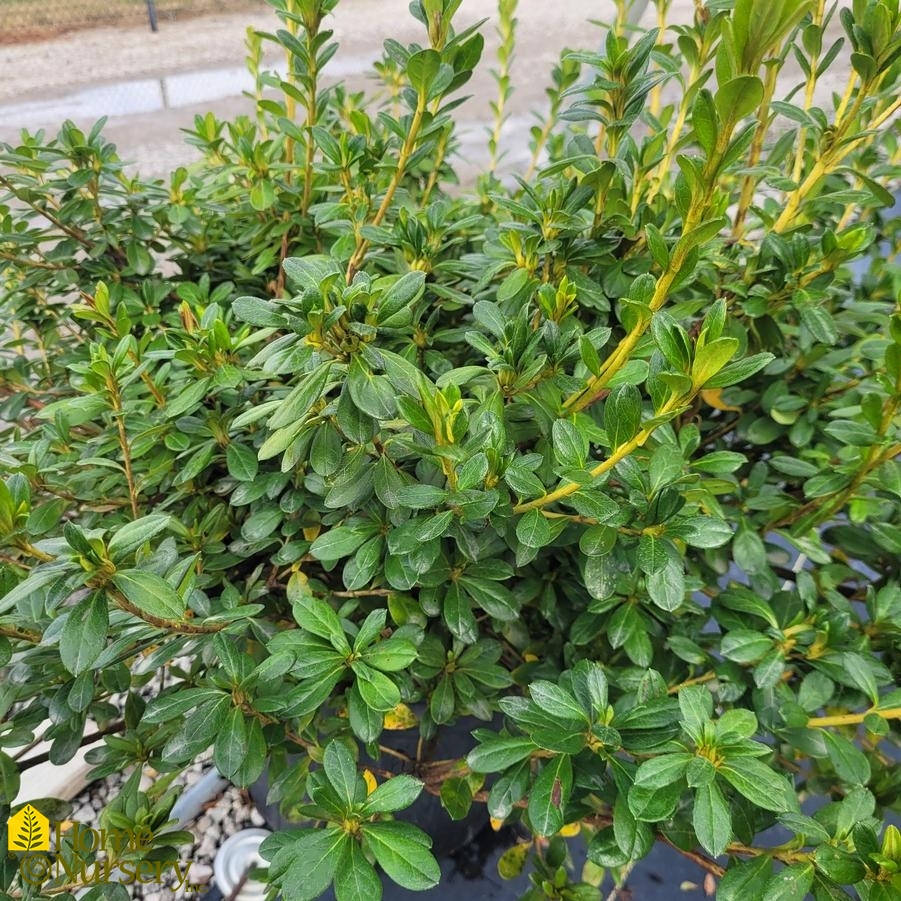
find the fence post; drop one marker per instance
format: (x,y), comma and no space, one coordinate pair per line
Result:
(151,14)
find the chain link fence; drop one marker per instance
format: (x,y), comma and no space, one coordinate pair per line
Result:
(32,20)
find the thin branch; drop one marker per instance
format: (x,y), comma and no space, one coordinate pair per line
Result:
(44,756)
(852,719)
(706,863)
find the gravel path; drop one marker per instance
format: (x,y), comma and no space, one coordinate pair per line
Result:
(221,817)
(124,70)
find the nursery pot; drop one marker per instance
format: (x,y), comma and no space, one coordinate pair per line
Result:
(452,742)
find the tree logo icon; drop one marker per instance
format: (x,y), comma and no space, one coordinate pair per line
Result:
(29,830)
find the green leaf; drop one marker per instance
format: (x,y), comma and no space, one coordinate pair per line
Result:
(550,794)
(366,723)
(738,371)
(745,879)
(405,291)
(261,313)
(187,399)
(167,707)
(498,754)
(739,97)
(634,837)
(150,593)
(745,646)
(338,542)
(373,394)
(761,785)
(570,444)
(719,462)
(710,359)
(422,68)
(663,770)
(858,434)
(667,586)
(441,701)
(376,689)
(790,883)
(622,415)
(9,777)
(850,762)
(495,599)
(457,611)
(420,497)
(651,805)
(297,404)
(839,865)
(257,754)
(84,634)
(657,246)
(262,524)
(355,877)
(749,550)
(652,556)
(317,617)
(44,517)
(242,462)
(397,793)
(821,324)
(403,853)
(508,790)
(696,704)
(533,529)
(597,541)
(745,601)
(341,771)
(700,772)
(600,576)
(711,819)
(262,195)
(672,341)
(196,733)
(310,271)
(391,655)
(230,748)
(704,121)
(306,865)
(554,700)
(133,535)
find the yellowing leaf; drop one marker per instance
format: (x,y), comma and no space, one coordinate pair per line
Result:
(401,717)
(713,397)
(530,658)
(593,874)
(312,532)
(571,830)
(513,860)
(496,824)
(369,779)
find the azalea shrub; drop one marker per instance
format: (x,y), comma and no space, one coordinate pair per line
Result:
(311,444)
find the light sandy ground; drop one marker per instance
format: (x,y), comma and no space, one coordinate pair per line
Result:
(40,83)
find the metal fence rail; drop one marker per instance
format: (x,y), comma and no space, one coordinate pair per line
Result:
(28,20)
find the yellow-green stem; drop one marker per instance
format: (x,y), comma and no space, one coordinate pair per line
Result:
(808,96)
(750,182)
(119,416)
(852,719)
(406,152)
(605,466)
(832,158)
(657,90)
